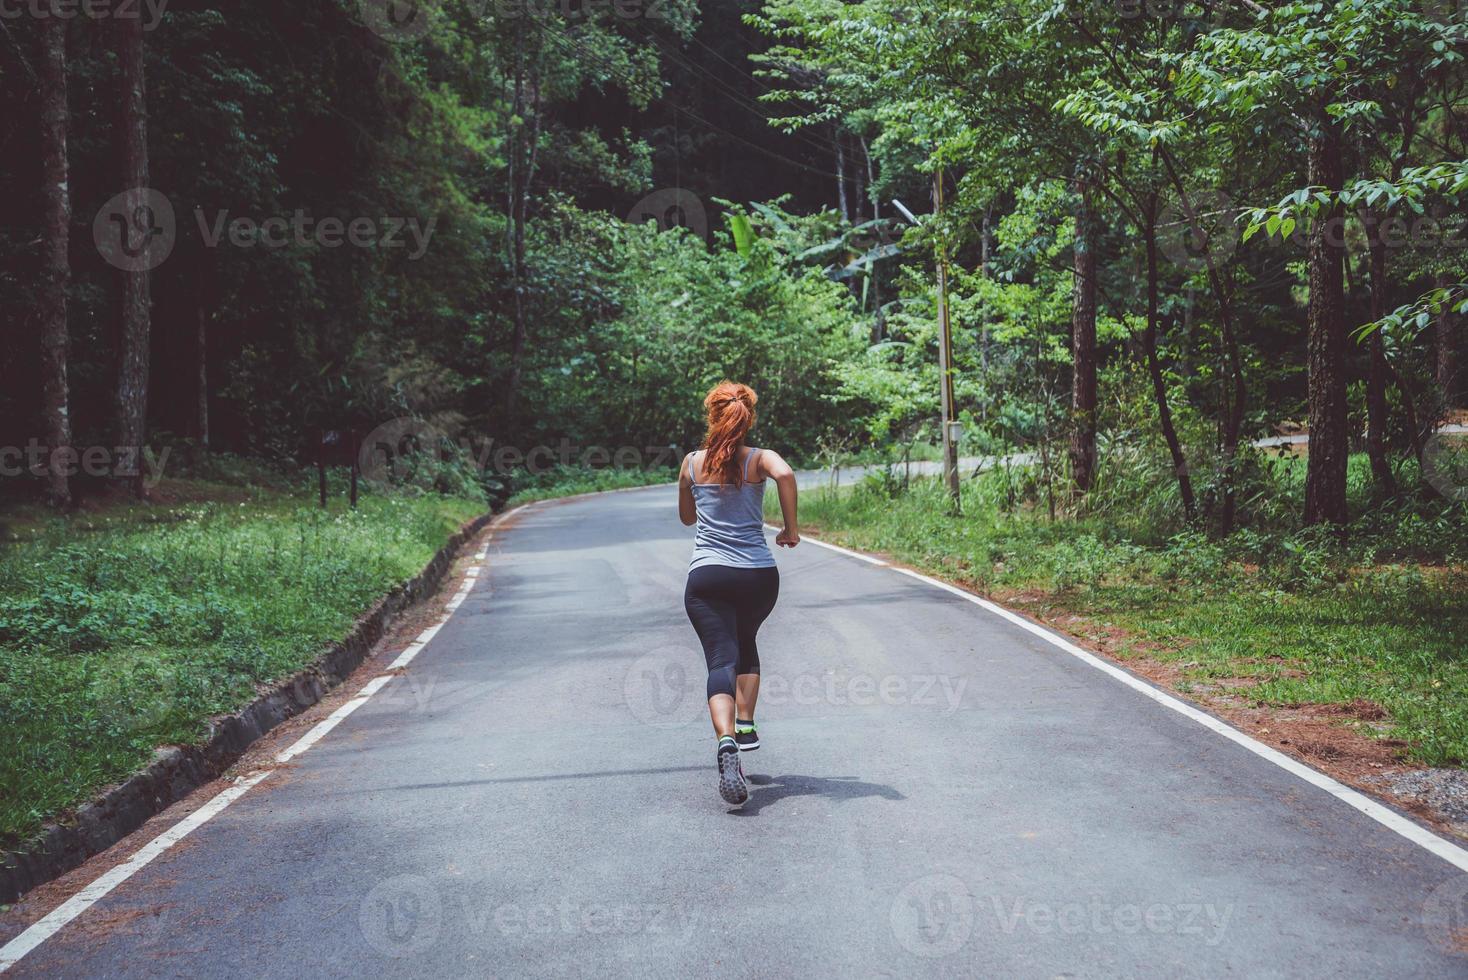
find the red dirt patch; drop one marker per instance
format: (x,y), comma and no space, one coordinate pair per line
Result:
(102,922)
(1362,708)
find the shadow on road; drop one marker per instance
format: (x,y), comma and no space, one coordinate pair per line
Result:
(765,790)
(555,777)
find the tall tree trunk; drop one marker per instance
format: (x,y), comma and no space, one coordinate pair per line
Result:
(986,253)
(522,175)
(1234,421)
(866,155)
(132,375)
(1409,409)
(1448,337)
(1376,410)
(56,227)
(841,176)
(512,225)
(1325,474)
(1222,288)
(879,324)
(1083,346)
(201,358)
(1154,368)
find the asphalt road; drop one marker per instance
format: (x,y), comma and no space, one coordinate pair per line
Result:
(939,793)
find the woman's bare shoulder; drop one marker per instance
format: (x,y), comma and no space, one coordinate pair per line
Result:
(770,463)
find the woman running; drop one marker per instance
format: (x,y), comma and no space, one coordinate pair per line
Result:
(732,579)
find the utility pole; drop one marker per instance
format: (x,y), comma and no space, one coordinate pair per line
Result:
(945,346)
(945,355)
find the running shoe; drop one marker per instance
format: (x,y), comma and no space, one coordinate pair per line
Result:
(746,736)
(732,786)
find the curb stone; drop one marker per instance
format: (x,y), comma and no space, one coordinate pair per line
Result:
(177,771)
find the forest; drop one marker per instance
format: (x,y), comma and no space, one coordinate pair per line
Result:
(1171,230)
(1203,268)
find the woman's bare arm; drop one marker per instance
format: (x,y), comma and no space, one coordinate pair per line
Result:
(772,466)
(687,512)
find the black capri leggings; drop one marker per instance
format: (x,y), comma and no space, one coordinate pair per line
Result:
(726,606)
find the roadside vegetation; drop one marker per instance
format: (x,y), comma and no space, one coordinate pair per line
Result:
(1273,616)
(125,626)
(125,629)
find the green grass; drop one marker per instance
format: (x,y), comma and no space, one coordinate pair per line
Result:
(567,481)
(1310,619)
(126,629)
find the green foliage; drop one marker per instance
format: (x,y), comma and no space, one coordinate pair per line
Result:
(1178,121)
(662,318)
(742,233)
(1306,616)
(117,641)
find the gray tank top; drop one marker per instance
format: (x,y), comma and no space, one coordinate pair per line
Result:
(731,523)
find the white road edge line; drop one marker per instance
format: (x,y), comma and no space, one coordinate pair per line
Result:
(335,718)
(54,921)
(406,657)
(57,918)
(1421,836)
(1414,832)
(1417,834)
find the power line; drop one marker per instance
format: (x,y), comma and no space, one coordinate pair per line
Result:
(616,73)
(613,70)
(826,145)
(743,71)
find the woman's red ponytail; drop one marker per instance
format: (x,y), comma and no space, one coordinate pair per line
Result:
(730,410)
